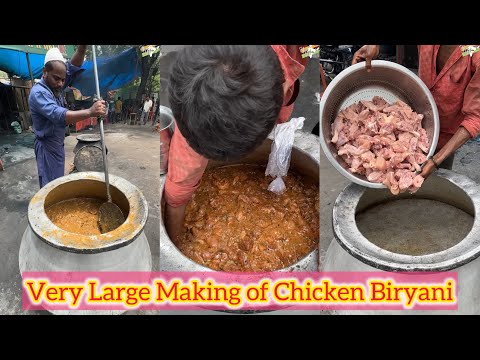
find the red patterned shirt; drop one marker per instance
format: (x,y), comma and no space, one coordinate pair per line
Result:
(456,90)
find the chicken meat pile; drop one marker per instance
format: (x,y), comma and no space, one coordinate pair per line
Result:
(384,142)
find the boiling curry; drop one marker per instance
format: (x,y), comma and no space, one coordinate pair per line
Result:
(233,223)
(79,215)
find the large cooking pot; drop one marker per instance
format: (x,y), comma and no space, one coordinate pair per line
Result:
(388,80)
(174,260)
(46,247)
(352,251)
(88,153)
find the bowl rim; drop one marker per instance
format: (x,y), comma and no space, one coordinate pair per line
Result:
(358,67)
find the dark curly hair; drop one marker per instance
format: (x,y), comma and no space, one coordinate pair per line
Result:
(226,98)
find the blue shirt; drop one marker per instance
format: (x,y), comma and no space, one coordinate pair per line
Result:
(48,118)
(48,111)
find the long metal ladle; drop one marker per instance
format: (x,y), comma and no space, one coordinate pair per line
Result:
(110,216)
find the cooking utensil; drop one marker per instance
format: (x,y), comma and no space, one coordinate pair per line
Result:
(110,216)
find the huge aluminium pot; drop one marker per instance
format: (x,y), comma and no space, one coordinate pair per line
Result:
(46,247)
(172,259)
(352,251)
(88,153)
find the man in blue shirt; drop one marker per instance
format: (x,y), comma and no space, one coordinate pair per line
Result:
(50,115)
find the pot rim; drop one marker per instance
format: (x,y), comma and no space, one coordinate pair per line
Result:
(87,138)
(125,234)
(352,240)
(168,112)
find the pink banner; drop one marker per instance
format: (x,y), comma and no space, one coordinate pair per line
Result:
(239,291)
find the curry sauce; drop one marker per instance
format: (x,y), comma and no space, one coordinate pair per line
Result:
(233,223)
(79,215)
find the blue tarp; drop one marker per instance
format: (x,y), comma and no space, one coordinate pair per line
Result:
(15,62)
(114,72)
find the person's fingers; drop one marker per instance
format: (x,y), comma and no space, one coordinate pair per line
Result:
(99,108)
(368,63)
(426,175)
(359,56)
(427,170)
(355,59)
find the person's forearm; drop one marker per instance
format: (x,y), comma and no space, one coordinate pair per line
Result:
(77,58)
(174,217)
(72,116)
(457,140)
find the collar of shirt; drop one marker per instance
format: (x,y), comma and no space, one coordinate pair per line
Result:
(292,65)
(427,69)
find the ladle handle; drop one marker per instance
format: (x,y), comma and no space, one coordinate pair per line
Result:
(104,152)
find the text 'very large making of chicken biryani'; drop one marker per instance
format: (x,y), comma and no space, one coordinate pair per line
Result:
(233,223)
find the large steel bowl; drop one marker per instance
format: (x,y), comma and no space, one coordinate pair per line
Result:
(388,80)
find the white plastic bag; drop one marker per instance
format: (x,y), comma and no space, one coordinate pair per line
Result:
(279,159)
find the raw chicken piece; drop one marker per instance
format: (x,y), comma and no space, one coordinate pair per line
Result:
(417,183)
(405,179)
(351,150)
(385,142)
(392,183)
(376,176)
(399,146)
(337,127)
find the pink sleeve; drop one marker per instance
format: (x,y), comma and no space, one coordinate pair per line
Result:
(185,170)
(471,105)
